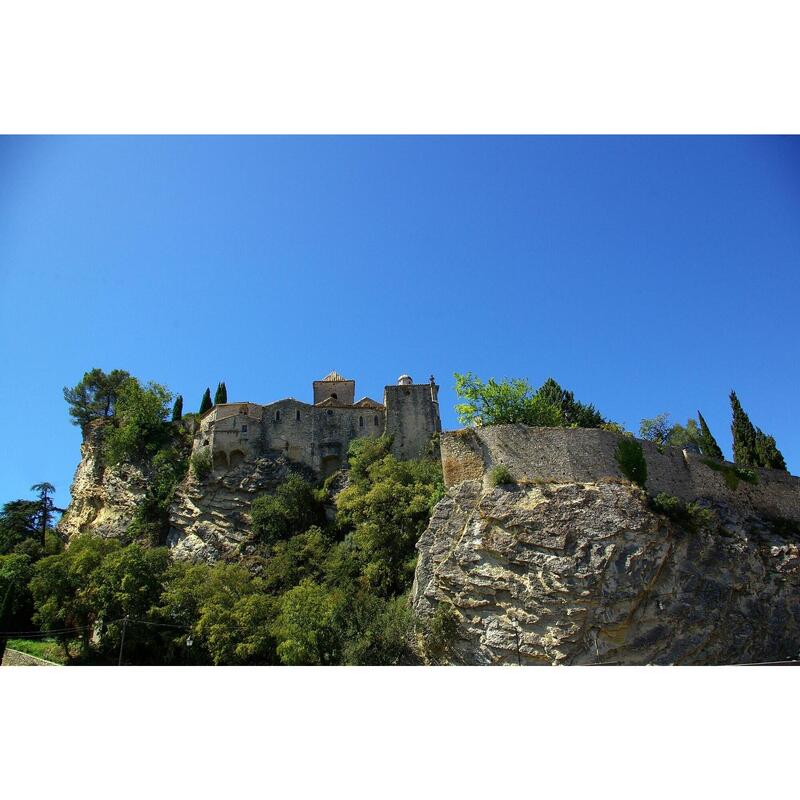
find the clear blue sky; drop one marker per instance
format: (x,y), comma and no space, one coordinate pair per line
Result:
(646,274)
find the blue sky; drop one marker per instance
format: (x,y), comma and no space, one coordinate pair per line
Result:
(647,274)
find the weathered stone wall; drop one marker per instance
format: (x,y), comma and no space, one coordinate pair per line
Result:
(566,455)
(344,390)
(412,417)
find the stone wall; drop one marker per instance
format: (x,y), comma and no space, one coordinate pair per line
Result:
(412,417)
(15,658)
(584,455)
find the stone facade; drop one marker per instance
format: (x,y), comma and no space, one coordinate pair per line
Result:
(585,455)
(318,435)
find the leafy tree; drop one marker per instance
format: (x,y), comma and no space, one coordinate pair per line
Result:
(708,444)
(64,589)
(503,402)
(140,428)
(15,599)
(302,556)
(767,452)
(151,518)
(221,395)
(95,395)
(205,403)
(373,631)
(656,430)
(19,520)
(744,436)
(129,582)
(226,609)
(294,507)
(177,409)
(306,625)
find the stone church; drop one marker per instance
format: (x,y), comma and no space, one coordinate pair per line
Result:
(318,434)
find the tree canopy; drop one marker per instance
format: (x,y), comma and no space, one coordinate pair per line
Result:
(95,395)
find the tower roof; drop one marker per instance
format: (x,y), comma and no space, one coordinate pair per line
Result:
(333,376)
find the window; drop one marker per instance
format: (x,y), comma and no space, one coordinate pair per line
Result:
(244,428)
(376,420)
(334,396)
(297,415)
(277,415)
(361,422)
(330,413)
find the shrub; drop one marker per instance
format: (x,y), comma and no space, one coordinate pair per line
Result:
(630,457)
(500,476)
(294,508)
(441,630)
(732,473)
(691,516)
(201,464)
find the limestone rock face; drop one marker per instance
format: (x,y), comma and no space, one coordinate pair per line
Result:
(103,498)
(210,519)
(586,573)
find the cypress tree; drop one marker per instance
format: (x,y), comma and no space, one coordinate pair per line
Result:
(177,409)
(205,403)
(767,451)
(221,395)
(744,436)
(708,444)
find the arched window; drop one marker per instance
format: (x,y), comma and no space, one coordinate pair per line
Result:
(334,396)
(361,422)
(376,420)
(277,415)
(297,415)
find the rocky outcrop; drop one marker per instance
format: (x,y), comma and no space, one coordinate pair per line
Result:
(587,573)
(104,499)
(210,519)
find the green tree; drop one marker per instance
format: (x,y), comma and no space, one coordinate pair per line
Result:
(708,444)
(305,628)
(95,395)
(302,556)
(140,428)
(205,403)
(630,457)
(46,506)
(226,609)
(294,507)
(177,409)
(19,520)
(128,582)
(574,413)
(64,589)
(221,395)
(767,452)
(15,599)
(744,435)
(504,402)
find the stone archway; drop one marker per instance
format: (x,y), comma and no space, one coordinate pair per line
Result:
(237,457)
(220,461)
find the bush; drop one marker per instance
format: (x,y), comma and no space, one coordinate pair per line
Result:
(630,457)
(692,516)
(201,464)
(294,508)
(732,473)
(441,630)
(500,476)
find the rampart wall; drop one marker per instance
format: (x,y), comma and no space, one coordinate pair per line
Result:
(585,455)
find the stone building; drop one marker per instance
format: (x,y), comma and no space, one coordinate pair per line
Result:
(318,434)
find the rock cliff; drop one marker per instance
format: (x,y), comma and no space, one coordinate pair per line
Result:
(104,499)
(587,572)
